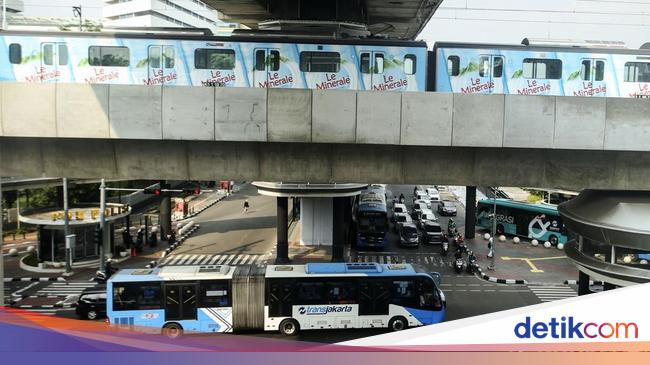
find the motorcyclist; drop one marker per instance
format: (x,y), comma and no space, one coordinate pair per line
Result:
(126,238)
(451,227)
(458,254)
(401,198)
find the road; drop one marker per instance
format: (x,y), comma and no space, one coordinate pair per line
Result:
(227,235)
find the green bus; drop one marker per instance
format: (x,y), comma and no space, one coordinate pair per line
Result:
(534,221)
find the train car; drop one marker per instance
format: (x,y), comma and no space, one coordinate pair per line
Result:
(541,70)
(205,60)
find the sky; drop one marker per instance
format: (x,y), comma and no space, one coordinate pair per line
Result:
(497,21)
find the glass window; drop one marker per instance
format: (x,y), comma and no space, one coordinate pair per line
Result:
(585,70)
(260,60)
(342,292)
(310,292)
(599,71)
(365,63)
(410,64)
(136,296)
(170,57)
(108,56)
(637,72)
(497,67)
(215,294)
(484,66)
(48,54)
(453,65)
(403,293)
(154,56)
(541,68)
(63,55)
(214,59)
(320,61)
(274,60)
(15,53)
(379,63)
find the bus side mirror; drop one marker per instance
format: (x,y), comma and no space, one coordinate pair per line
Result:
(437,277)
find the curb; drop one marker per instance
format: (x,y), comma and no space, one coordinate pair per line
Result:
(194,214)
(575,282)
(9,280)
(498,280)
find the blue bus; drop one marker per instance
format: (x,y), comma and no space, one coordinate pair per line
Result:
(534,221)
(285,298)
(371,219)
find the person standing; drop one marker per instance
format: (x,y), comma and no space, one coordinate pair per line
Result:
(246,206)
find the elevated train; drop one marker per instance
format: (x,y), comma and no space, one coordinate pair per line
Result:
(293,62)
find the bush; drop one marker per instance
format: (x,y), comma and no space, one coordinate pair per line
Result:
(31,259)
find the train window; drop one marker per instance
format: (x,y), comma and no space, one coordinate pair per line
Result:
(365,63)
(15,53)
(48,54)
(274,60)
(637,72)
(453,65)
(214,59)
(497,67)
(260,60)
(169,57)
(320,61)
(154,56)
(108,56)
(585,70)
(410,64)
(484,66)
(379,63)
(599,71)
(63,55)
(541,68)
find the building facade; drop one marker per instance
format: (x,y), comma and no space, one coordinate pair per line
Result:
(162,13)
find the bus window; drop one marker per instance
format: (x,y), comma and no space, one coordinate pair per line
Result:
(404,293)
(135,296)
(410,64)
(214,294)
(310,293)
(453,65)
(280,297)
(341,292)
(15,53)
(320,61)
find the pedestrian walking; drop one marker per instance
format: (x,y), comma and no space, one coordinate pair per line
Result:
(246,206)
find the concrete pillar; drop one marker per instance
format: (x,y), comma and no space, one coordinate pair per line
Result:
(583,284)
(608,286)
(165,216)
(316,221)
(338,229)
(470,211)
(282,251)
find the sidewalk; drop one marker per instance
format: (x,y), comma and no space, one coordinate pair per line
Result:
(300,254)
(522,261)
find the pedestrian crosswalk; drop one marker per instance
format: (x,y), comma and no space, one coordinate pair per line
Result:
(549,293)
(430,260)
(64,289)
(206,259)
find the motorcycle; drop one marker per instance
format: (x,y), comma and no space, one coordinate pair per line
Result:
(458,266)
(101,277)
(472,264)
(445,247)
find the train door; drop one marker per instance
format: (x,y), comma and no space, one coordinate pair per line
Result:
(372,69)
(55,63)
(267,62)
(162,64)
(490,74)
(592,73)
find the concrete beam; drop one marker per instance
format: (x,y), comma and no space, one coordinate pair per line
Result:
(322,163)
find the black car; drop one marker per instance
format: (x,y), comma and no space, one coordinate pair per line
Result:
(432,233)
(92,303)
(408,235)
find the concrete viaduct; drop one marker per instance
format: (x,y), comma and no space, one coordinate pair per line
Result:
(323,136)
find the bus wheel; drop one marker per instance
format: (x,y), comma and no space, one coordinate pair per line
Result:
(172,330)
(500,229)
(289,327)
(553,240)
(397,324)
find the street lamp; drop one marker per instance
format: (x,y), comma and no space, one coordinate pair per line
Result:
(492,241)
(76,11)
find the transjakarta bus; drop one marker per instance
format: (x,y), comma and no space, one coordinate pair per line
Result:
(371,218)
(534,221)
(287,298)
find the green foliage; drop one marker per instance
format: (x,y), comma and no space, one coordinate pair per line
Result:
(574,75)
(471,67)
(31,259)
(34,56)
(142,63)
(517,74)
(83,62)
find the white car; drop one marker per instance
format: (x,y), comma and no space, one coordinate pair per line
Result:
(434,195)
(426,215)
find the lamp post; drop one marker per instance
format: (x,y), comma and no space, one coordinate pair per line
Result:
(76,11)
(492,241)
